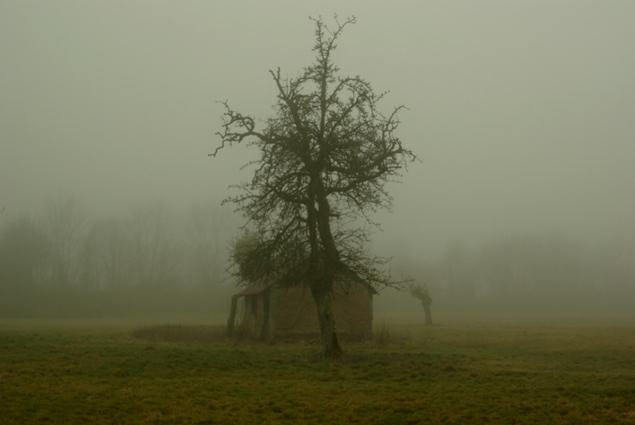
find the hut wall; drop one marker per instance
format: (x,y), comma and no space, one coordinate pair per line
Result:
(353,309)
(253,315)
(293,311)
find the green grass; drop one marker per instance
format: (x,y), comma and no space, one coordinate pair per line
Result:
(459,374)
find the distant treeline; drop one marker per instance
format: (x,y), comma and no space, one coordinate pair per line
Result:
(152,262)
(62,262)
(526,275)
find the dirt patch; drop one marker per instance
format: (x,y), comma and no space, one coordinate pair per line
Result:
(182,333)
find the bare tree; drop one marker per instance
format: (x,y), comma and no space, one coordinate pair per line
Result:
(106,255)
(154,257)
(64,224)
(208,232)
(326,156)
(24,254)
(423,294)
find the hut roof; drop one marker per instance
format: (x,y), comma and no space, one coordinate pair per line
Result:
(259,289)
(254,290)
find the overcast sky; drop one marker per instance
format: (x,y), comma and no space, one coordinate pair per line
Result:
(523,112)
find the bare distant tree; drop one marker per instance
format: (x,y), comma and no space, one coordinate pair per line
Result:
(24,253)
(106,259)
(64,222)
(154,255)
(326,156)
(208,232)
(423,294)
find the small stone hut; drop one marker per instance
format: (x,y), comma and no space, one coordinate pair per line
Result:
(269,311)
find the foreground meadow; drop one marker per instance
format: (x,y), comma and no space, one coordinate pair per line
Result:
(74,373)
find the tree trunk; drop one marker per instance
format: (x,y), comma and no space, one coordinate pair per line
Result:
(232,315)
(330,344)
(428,311)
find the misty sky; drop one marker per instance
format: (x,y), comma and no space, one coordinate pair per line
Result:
(523,112)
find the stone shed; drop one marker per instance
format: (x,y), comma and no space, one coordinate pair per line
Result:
(270,311)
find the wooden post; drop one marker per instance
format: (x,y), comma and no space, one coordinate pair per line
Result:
(232,315)
(264,332)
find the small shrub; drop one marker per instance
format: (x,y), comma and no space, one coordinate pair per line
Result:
(383,337)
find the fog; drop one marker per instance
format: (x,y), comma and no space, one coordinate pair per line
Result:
(522,113)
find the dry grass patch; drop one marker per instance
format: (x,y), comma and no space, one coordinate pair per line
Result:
(451,375)
(181,333)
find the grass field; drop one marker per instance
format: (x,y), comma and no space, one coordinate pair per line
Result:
(459,373)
